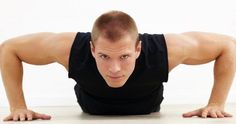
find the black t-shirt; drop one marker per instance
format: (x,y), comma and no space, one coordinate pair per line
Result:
(143,91)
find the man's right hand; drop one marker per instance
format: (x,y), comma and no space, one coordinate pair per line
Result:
(25,115)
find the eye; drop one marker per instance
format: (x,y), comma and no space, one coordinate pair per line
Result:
(104,56)
(124,57)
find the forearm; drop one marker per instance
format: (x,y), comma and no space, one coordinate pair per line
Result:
(224,71)
(12,72)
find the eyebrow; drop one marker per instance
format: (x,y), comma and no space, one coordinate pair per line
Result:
(120,55)
(102,53)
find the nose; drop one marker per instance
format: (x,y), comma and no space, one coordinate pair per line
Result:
(114,67)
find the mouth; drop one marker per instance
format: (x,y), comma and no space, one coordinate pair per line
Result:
(115,77)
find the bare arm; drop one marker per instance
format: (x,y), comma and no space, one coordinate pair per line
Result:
(200,48)
(38,49)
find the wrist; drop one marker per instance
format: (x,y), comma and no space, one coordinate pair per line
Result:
(221,105)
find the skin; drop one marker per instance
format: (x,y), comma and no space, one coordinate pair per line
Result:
(115,61)
(190,48)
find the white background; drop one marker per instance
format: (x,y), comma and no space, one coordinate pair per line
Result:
(49,84)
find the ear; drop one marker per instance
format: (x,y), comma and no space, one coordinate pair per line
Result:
(92,48)
(138,49)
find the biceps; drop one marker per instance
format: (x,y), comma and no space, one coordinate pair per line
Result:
(32,49)
(202,51)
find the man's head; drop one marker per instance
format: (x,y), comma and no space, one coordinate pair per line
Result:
(115,46)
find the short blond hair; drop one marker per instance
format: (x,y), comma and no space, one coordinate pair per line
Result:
(113,26)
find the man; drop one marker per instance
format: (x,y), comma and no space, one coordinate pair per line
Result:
(117,70)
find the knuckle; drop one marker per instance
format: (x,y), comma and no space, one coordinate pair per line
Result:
(29,116)
(15,118)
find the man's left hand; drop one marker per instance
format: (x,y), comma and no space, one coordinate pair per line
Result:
(211,111)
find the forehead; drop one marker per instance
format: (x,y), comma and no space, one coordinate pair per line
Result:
(124,44)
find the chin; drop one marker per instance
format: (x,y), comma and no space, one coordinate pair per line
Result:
(116,84)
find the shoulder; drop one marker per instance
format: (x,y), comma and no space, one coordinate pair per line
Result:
(62,41)
(61,44)
(178,47)
(196,47)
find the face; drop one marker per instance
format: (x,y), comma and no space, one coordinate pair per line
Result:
(115,60)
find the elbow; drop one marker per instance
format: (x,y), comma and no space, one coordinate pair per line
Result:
(230,50)
(1,50)
(2,45)
(235,43)
(230,46)
(5,48)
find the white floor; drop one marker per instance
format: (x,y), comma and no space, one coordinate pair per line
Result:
(170,114)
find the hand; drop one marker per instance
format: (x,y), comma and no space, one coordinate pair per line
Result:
(24,115)
(212,111)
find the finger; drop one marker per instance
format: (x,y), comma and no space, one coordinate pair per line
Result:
(213,114)
(15,117)
(46,117)
(219,114)
(204,113)
(8,118)
(191,114)
(42,116)
(29,116)
(227,114)
(22,117)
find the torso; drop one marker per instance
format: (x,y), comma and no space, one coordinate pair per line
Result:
(175,52)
